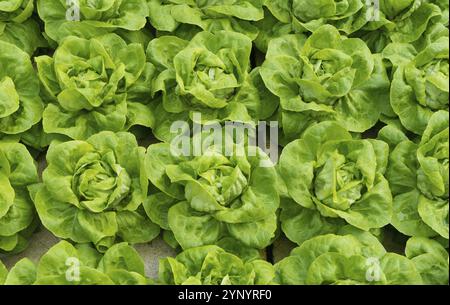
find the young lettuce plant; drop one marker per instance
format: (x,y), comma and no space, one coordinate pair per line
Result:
(211,265)
(418,176)
(17,214)
(95,85)
(87,19)
(325,77)
(20,105)
(17,27)
(209,75)
(215,195)
(65,264)
(351,258)
(420,84)
(93,191)
(185,18)
(331,180)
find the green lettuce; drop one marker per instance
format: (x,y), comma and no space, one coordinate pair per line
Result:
(211,265)
(420,84)
(95,85)
(418,176)
(186,17)
(17,27)
(307,16)
(17,214)
(304,16)
(332,180)
(65,264)
(325,77)
(206,198)
(87,19)
(3,273)
(20,105)
(430,258)
(209,74)
(407,21)
(350,258)
(93,191)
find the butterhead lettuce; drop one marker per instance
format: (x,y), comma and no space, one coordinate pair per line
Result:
(20,104)
(211,265)
(94,85)
(90,18)
(418,175)
(93,191)
(18,173)
(332,179)
(326,76)
(210,75)
(206,198)
(119,265)
(193,16)
(350,258)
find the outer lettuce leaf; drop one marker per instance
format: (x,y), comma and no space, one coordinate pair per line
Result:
(407,21)
(3,273)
